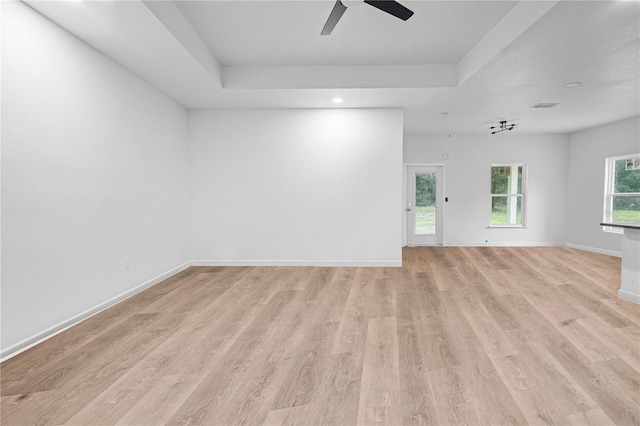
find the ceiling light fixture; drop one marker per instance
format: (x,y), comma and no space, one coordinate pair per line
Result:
(337,100)
(502,127)
(572,84)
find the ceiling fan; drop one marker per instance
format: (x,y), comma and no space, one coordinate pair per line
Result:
(391,7)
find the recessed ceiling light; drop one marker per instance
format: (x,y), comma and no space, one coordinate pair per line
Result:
(573,84)
(444,113)
(337,100)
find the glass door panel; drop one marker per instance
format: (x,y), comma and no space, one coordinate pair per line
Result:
(424,217)
(425,208)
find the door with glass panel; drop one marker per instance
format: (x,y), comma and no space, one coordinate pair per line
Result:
(424,205)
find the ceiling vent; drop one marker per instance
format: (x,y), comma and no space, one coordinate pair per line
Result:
(545,105)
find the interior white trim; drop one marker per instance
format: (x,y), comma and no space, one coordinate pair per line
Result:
(64,325)
(68,323)
(329,263)
(635,298)
(506,244)
(595,250)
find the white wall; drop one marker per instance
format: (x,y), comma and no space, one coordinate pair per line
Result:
(94,168)
(296,186)
(587,153)
(467,184)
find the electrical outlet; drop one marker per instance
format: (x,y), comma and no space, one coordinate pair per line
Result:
(127,262)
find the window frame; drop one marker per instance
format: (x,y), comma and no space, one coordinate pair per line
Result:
(523,196)
(609,187)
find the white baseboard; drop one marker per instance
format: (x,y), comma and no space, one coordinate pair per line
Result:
(507,244)
(327,263)
(595,250)
(62,326)
(631,297)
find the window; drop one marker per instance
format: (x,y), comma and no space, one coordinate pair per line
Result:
(508,183)
(622,190)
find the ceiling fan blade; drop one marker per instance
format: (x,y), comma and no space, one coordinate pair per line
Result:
(391,7)
(334,17)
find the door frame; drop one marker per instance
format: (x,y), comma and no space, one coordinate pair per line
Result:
(442,203)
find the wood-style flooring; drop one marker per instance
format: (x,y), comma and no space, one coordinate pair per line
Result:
(457,336)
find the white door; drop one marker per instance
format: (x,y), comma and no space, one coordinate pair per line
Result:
(424,205)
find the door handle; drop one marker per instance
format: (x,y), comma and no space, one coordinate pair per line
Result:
(407,210)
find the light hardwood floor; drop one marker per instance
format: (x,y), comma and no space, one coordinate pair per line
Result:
(480,336)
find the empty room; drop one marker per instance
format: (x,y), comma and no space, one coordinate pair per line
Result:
(320,212)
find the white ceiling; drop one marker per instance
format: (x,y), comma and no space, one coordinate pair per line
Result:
(287,33)
(480,61)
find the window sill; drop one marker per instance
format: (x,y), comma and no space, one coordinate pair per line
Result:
(612,230)
(507,226)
